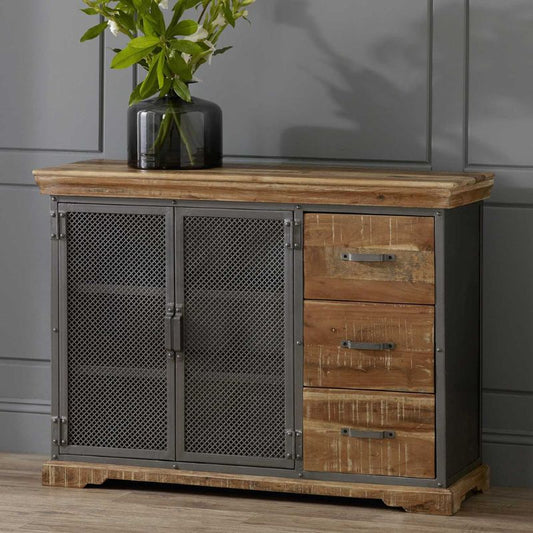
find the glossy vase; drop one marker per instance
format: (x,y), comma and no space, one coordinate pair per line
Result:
(169,133)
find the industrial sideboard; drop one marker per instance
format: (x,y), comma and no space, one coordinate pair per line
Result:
(295,329)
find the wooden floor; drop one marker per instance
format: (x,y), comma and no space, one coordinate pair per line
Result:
(27,506)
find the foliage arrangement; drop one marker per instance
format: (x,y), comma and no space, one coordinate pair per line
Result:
(172,52)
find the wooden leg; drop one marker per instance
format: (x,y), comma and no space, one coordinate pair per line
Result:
(449,500)
(476,481)
(58,474)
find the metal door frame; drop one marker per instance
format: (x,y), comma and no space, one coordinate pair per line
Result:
(181,455)
(63,209)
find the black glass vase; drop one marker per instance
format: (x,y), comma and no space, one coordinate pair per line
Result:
(169,133)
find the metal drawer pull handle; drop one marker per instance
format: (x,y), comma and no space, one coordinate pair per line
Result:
(361,434)
(368,345)
(368,258)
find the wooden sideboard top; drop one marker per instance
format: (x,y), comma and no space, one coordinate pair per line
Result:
(269,183)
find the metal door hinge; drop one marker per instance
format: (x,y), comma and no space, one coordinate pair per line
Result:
(62,225)
(298,444)
(293,234)
(297,235)
(58,225)
(62,431)
(54,222)
(56,430)
(290,443)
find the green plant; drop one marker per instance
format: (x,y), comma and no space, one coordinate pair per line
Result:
(172,52)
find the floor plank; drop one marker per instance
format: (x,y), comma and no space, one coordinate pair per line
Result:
(26,506)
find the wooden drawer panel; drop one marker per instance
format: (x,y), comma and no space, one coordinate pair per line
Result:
(411,453)
(409,366)
(409,278)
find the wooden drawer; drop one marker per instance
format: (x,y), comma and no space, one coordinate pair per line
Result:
(408,278)
(410,453)
(409,366)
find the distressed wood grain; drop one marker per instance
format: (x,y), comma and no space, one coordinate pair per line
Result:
(269,183)
(408,367)
(411,453)
(413,499)
(410,278)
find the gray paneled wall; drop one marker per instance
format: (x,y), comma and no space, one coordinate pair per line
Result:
(443,84)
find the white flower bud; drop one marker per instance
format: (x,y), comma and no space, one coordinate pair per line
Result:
(200,35)
(220,20)
(163,4)
(212,50)
(113,27)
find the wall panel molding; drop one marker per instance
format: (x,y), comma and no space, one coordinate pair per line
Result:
(6,360)
(449,84)
(498,436)
(31,83)
(499,108)
(8,405)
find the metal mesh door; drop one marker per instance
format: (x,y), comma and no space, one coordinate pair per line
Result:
(235,288)
(116,365)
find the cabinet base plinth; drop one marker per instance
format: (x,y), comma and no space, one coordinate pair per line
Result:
(413,499)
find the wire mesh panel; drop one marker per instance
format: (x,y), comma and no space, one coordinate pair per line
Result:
(235,380)
(116,285)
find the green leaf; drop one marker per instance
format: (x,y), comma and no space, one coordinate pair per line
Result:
(93,32)
(89,11)
(187,47)
(142,6)
(161,69)
(135,95)
(148,27)
(182,5)
(166,87)
(179,8)
(178,66)
(157,19)
(144,42)
(184,27)
(228,14)
(126,5)
(222,50)
(149,86)
(155,26)
(127,21)
(181,90)
(129,56)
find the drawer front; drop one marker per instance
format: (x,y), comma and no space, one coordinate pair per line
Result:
(408,366)
(410,452)
(342,258)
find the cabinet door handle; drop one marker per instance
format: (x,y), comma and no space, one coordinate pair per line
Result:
(366,434)
(351,345)
(177,329)
(367,258)
(168,328)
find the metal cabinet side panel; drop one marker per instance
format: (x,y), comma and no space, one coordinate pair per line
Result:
(462,346)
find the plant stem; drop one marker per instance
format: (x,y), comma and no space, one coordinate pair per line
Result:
(183,137)
(202,13)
